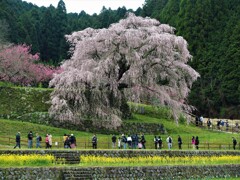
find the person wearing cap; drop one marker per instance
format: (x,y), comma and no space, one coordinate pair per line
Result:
(72,141)
(18,140)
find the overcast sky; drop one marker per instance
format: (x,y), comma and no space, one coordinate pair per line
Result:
(90,6)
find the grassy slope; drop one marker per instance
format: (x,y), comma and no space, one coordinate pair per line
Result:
(25,100)
(17,101)
(10,127)
(187,131)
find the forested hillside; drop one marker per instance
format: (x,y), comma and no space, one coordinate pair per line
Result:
(211,27)
(44,28)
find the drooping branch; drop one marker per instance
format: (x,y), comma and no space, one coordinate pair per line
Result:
(131,60)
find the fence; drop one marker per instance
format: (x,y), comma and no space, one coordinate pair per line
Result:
(84,143)
(232,127)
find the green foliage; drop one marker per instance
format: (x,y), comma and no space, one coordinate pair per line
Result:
(23,100)
(211,28)
(182,120)
(6,84)
(151,111)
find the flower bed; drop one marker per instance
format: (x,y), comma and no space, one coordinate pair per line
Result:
(26,160)
(89,160)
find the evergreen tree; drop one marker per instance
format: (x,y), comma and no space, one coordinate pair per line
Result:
(61,29)
(48,44)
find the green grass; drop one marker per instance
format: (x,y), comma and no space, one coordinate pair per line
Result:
(187,131)
(151,111)
(9,128)
(141,113)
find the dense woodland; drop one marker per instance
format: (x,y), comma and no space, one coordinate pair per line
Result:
(211,27)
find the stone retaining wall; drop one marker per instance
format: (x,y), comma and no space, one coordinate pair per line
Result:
(154,172)
(161,172)
(73,156)
(122,153)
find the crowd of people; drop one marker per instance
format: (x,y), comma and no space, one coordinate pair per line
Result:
(131,141)
(134,141)
(220,124)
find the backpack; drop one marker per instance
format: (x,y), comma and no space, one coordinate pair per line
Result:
(40,138)
(170,140)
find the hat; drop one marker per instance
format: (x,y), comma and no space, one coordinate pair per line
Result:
(71,134)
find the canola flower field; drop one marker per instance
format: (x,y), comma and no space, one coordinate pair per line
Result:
(11,160)
(158,160)
(7,160)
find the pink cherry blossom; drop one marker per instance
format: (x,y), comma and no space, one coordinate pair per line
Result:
(137,59)
(19,66)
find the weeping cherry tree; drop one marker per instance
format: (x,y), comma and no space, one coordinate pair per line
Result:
(133,59)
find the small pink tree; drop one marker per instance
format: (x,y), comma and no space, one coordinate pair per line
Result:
(19,66)
(133,59)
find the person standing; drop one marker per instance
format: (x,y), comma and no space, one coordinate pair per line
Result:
(72,141)
(234,142)
(124,141)
(135,141)
(65,137)
(30,139)
(179,142)
(134,145)
(38,141)
(143,141)
(227,125)
(209,123)
(193,142)
(47,141)
(50,140)
(196,142)
(114,139)
(155,142)
(201,120)
(119,142)
(18,141)
(129,141)
(94,141)
(169,142)
(159,142)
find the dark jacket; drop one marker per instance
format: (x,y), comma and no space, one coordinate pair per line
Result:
(114,139)
(18,138)
(30,136)
(94,140)
(196,141)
